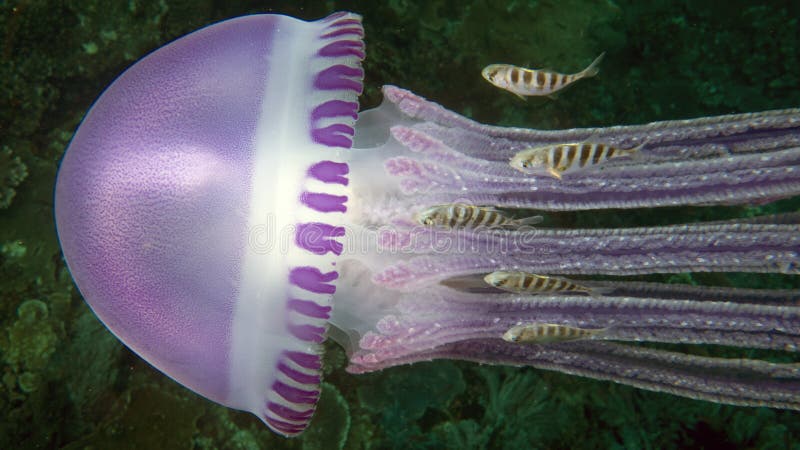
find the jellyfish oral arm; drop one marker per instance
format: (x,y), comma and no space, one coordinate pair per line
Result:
(435,156)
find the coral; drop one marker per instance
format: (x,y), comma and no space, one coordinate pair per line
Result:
(97,352)
(517,412)
(331,423)
(463,434)
(13,250)
(404,395)
(146,417)
(31,340)
(12,173)
(28,382)
(334,359)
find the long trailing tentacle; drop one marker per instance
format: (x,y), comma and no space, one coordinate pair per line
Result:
(671,249)
(437,315)
(736,133)
(717,160)
(436,310)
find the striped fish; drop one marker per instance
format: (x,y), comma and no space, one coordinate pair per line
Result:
(557,159)
(529,283)
(529,82)
(544,333)
(463,215)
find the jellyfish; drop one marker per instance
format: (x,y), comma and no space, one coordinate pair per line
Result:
(224,208)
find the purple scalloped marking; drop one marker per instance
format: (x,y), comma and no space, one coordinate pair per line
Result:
(335,16)
(335,135)
(341,23)
(324,202)
(289,413)
(312,280)
(330,172)
(343,48)
(286,428)
(319,238)
(355,31)
(309,309)
(295,395)
(302,359)
(335,108)
(336,77)
(308,333)
(298,376)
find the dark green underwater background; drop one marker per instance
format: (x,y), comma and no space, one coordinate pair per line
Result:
(68,383)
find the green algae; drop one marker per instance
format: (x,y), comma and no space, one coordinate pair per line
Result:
(12,172)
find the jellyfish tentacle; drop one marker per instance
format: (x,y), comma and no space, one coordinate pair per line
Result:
(444,315)
(646,165)
(734,130)
(671,249)
(750,178)
(785,297)
(718,160)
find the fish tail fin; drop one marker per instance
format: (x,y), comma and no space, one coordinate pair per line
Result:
(529,221)
(596,291)
(636,149)
(593,67)
(601,332)
(634,152)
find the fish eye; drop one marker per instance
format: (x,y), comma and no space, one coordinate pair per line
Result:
(427,221)
(526,163)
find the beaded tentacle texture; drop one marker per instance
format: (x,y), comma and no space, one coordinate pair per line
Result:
(223,209)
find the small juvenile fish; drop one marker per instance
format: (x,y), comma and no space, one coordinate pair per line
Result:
(543,333)
(530,283)
(529,82)
(557,159)
(462,215)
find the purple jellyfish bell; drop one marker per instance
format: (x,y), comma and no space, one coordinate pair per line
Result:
(215,217)
(185,162)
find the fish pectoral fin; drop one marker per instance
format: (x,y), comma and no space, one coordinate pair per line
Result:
(554,173)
